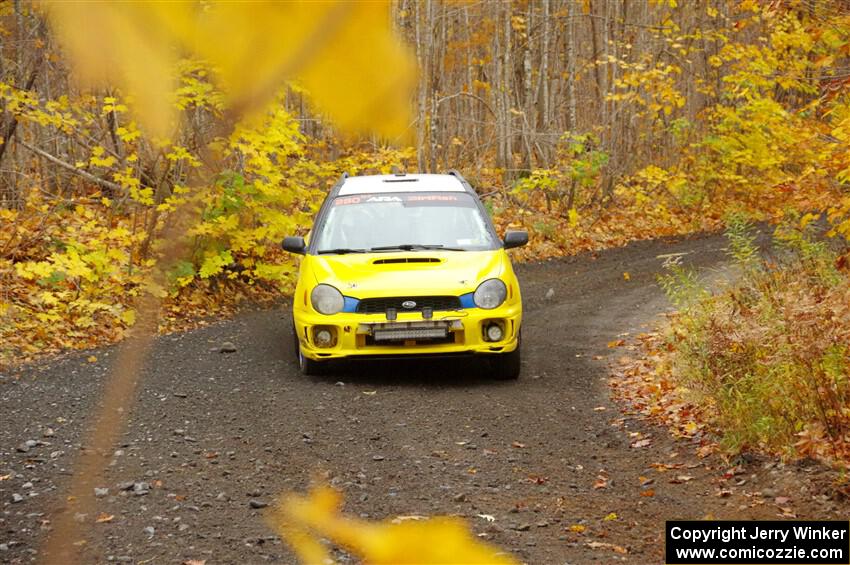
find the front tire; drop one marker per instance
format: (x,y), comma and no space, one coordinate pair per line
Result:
(507,366)
(306,365)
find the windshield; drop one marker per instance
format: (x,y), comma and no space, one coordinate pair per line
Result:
(409,221)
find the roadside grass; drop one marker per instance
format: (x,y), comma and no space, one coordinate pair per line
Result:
(764,363)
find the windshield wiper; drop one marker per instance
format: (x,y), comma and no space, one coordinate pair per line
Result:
(414,246)
(340,251)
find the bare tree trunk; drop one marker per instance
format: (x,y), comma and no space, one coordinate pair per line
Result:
(507,106)
(440,143)
(432,136)
(527,98)
(470,131)
(499,99)
(544,122)
(422,31)
(572,124)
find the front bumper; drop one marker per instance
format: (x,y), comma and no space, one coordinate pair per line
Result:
(372,335)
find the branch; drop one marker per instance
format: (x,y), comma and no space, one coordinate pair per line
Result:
(456,94)
(88,176)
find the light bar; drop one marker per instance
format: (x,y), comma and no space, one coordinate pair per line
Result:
(410,333)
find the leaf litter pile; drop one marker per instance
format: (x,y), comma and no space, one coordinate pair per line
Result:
(643,382)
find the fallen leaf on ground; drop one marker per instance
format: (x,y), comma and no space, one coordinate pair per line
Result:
(642,443)
(370,392)
(664,467)
(780,500)
(606,545)
(577,528)
(487,517)
(518,445)
(91,359)
(681,479)
(626,276)
(406,518)
(601,482)
(103,517)
(610,517)
(647,493)
(737,470)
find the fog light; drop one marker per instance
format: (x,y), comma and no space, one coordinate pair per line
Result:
(494,332)
(324,338)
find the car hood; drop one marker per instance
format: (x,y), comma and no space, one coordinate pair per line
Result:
(365,275)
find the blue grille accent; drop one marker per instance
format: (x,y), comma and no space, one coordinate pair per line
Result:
(350,304)
(466,300)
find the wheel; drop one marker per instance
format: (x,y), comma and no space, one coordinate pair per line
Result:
(506,366)
(306,365)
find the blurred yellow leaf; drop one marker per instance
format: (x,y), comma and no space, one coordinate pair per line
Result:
(132,48)
(344,53)
(302,521)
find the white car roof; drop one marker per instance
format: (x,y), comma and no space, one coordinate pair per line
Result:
(379,184)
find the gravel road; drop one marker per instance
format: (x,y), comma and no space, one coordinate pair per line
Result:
(214,436)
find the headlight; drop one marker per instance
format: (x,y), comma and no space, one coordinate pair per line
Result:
(326,299)
(490,294)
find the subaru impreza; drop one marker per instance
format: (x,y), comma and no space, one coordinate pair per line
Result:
(406,265)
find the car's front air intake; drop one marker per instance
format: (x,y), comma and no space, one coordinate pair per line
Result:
(408,304)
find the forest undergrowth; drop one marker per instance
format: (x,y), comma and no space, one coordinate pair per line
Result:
(761,364)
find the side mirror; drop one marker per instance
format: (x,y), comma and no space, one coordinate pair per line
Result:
(515,238)
(295,244)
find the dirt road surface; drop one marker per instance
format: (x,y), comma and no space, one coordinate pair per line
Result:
(211,432)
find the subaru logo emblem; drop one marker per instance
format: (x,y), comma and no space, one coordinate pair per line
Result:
(408,305)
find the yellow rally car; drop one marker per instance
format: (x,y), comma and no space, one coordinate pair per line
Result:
(406,265)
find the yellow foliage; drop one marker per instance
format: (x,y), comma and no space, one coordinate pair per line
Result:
(302,521)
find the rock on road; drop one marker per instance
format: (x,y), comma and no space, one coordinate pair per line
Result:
(214,436)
